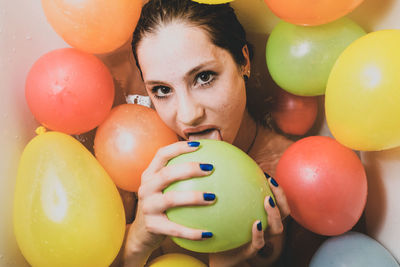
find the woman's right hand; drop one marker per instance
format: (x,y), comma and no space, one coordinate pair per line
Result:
(151,224)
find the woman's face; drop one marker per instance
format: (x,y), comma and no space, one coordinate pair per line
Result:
(196,87)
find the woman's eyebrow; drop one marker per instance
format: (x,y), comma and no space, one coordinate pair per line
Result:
(188,74)
(199,67)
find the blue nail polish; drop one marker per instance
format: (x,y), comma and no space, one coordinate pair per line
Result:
(206,167)
(271,202)
(274,182)
(259,226)
(209,196)
(206,235)
(267,175)
(193,143)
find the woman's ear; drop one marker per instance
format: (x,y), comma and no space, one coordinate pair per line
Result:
(246,65)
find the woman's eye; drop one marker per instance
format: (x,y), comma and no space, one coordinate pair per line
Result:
(161,91)
(205,77)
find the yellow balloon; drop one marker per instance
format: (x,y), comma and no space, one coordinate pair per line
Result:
(67,210)
(213,2)
(362,100)
(176,260)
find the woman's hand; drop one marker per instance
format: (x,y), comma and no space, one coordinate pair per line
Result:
(255,249)
(151,225)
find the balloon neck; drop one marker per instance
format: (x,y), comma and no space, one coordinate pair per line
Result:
(40,130)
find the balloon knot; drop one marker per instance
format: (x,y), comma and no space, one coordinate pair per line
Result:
(40,130)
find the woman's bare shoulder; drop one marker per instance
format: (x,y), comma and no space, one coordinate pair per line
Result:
(268,149)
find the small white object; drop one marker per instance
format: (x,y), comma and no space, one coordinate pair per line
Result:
(139,99)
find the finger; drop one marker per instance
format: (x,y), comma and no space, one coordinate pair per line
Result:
(257,241)
(182,171)
(279,195)
(161,225)
(166,153)
(274,217)
(159,203)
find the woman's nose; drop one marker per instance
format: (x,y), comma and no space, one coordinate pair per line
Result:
(189,111)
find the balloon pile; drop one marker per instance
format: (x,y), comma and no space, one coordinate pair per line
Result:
(325,184)
(126,142)
(228,219)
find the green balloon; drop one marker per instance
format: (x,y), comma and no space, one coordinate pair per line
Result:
(240,188)
(300,58)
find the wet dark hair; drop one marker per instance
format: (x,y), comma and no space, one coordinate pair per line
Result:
(219,21)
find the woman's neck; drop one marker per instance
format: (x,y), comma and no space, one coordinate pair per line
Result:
(247,133)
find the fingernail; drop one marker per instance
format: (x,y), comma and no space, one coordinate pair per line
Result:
(193,143)
(271,202)
(206,167)
(259,226)
(274,182)
(209,196)
(206,235)
(267,175)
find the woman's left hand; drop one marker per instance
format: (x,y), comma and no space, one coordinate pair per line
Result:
(276,213)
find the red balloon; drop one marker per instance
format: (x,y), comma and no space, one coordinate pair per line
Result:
(325,184)
(126,142)
(69,91)
(295,114)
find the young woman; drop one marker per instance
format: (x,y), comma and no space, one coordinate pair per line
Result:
(195,62)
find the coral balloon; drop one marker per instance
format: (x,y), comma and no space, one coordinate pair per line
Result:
(230,219)
(67,210)
(176,260)
(126,142)
(311,12)
(69,91)
(94,26)
(300,58)
(294,114)
(352,249)
(325,184)
(362,96)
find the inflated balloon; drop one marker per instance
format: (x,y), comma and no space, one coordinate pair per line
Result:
(240,188)
(325,184)
(362,96)
(67,210)
(352,249)
(176,260)
(300,58)
(126,142)
(311,12)
(212,2)
(94,26)
(69,91)
(294,114)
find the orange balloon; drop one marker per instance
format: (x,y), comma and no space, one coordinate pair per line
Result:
(126,142)
(311,12)
(69,91)
(95,26)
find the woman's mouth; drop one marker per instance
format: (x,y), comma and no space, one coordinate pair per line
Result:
(210,133)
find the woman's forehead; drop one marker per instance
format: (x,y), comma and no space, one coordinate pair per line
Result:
(179,47)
